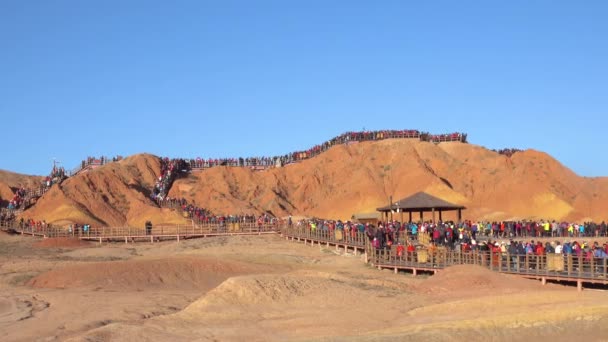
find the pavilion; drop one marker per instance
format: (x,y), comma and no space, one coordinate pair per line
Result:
(421,202)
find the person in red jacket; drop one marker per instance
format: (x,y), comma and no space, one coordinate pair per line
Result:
(400,250)
(411,248)
(540,249)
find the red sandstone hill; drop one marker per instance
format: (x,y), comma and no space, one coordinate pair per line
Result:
(346,179)
(111,195)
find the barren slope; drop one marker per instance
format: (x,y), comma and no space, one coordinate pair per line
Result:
(361,177)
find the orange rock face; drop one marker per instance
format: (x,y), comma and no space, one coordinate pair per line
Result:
(345,180)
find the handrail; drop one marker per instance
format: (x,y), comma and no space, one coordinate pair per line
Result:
(29,195)
(559,266)
(353,239)
(121,232)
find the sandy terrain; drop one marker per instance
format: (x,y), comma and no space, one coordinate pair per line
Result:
(262,288)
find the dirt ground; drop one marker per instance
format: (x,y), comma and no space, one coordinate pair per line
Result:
(263,288)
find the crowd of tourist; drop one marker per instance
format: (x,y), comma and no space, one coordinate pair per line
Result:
(507,151)
(511,229)
(24,197)
(91,162)
(467,233)
(345,138)
(203,216)
(94,161)
(56,176)
(18,199)
(7,217)
(79,229)
(169,170)
(207,217)
(542,228)
(30,224)
(437,138)
(42,225)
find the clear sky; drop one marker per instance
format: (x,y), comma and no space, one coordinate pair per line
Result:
(254,78)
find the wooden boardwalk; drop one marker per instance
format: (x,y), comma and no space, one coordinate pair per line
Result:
(549,267)
(156,234)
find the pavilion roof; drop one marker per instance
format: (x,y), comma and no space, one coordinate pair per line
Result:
(421,201)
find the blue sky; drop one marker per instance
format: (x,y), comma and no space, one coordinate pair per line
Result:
(252,78)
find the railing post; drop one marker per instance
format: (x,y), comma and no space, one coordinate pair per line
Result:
(499,255)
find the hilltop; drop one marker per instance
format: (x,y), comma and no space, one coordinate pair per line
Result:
(347,179)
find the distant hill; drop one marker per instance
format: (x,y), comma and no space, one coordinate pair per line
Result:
(346,179)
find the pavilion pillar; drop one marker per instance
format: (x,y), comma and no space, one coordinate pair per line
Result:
(433,210)
(420,215)
(459,215)
(390,206)
(440,217)
(401,216)
(410,216)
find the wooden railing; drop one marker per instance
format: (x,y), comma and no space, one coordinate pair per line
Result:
(11,211)
(567,267)
(30,195)
(160,232)
(548,265)
(210,220)
(339,237)
(551,266)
